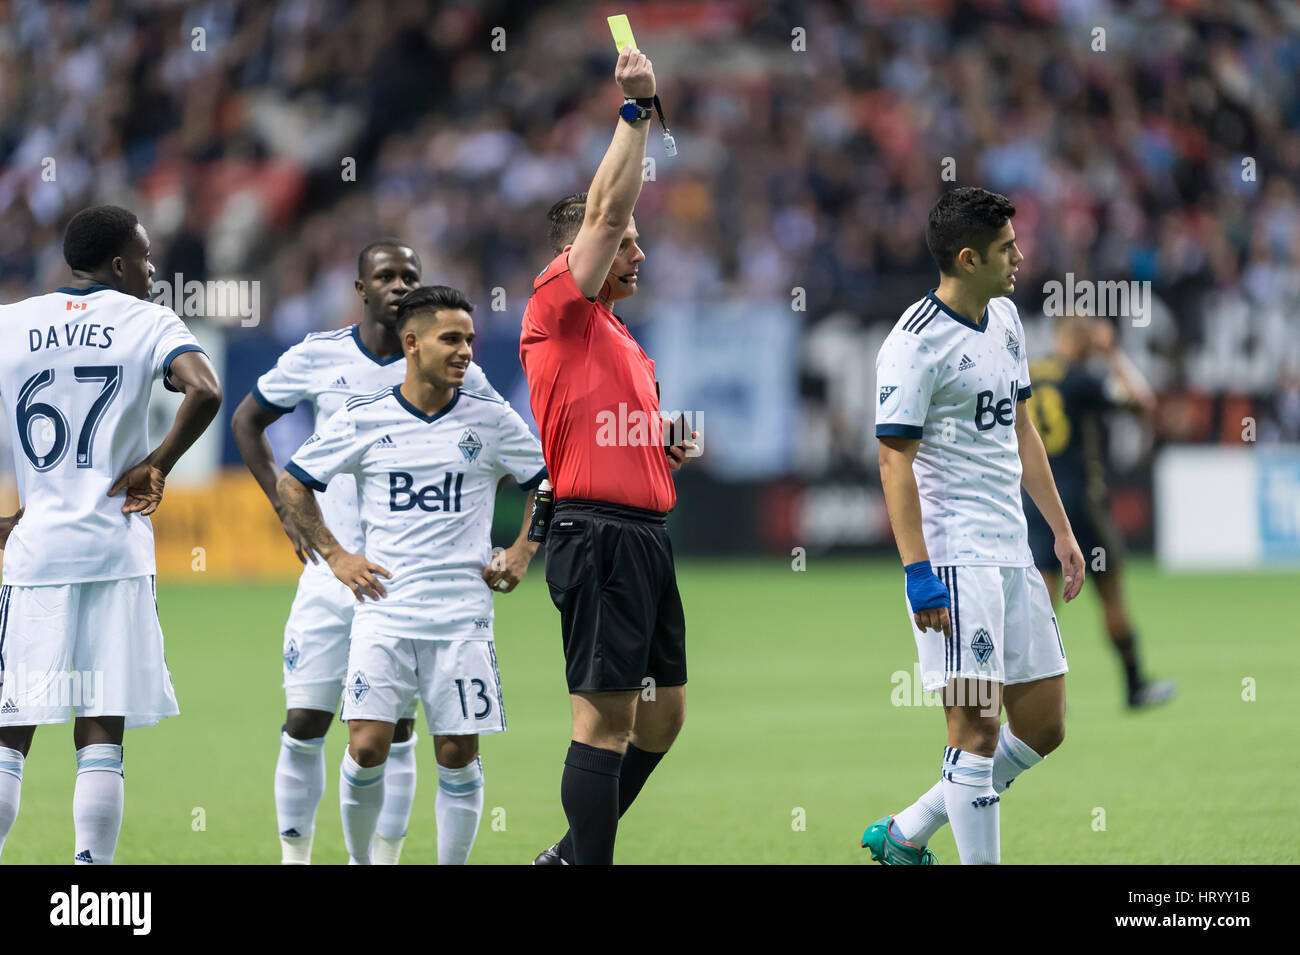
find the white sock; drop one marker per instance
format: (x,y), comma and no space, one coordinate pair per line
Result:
(11,787)
(919,822)
(1012,757)
(459,807)
(97,803)
(399,795)
(299,785)
(972,806)
(361,794)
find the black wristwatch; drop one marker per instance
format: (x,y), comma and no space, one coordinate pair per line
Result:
(635,110)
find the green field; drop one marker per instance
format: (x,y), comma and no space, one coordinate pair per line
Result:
(789,708)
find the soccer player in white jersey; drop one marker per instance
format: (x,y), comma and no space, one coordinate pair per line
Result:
(427,458)
(78,611)
(956,445)
(327,368)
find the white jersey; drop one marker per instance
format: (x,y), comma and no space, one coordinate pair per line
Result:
(954,385)
(428,485)
(76,370)
(327,368)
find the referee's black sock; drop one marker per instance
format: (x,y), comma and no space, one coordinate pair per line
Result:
(637,767)
(1126,646)
(589,794)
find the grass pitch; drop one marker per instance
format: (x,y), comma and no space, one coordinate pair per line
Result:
(793,742)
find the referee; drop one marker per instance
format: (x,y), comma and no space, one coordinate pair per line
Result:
(609,562)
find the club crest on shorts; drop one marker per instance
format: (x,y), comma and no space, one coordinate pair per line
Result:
(982,645)
(358,687)
(470,445)
(1013,345)
(291,655)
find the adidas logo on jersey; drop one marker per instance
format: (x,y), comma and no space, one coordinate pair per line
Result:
(385,442)
(966,364)
(339,382)
(9,707)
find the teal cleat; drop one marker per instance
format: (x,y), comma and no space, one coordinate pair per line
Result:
(888,850)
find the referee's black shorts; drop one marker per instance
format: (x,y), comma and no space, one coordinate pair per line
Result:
(610,571)
(1099,541)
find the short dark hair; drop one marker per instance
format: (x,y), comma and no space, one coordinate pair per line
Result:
(968,217)
(387,242)
(566,218)
(96,235)
(430,298)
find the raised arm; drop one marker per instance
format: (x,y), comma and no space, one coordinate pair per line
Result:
(903,502)
(617,183)
(249,424)
(192,374)
(1036,478)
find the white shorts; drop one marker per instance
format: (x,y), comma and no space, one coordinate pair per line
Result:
(87,649)
(457,680)
(316,638)
(1003,628)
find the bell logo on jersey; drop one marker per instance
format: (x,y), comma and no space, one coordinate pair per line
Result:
(1003,413)
(431,498)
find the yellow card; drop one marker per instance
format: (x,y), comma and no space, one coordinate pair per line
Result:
(622,31)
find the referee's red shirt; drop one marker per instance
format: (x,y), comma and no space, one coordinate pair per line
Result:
(593,393)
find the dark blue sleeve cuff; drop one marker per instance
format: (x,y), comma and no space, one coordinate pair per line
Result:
(1024,393)
(267,403)
(171,356)
(304,477)
(898,431)
(535,480)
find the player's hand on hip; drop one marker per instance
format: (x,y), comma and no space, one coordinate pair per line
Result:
(7,525)
(1071,558)
(678,453)
(928,597)
(144,488)
(301,546)
(507,569)
(359,575)
(635,74)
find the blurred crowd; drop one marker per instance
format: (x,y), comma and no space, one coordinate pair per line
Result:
(1152,141)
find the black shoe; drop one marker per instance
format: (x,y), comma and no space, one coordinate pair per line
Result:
(1152,694)
(550,856)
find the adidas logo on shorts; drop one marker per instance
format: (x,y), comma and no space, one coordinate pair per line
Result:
(9,707)
(966,363)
